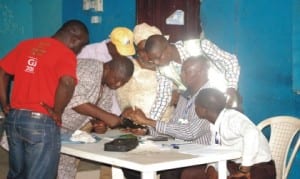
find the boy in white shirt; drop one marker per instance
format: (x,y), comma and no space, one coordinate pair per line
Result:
(235,130)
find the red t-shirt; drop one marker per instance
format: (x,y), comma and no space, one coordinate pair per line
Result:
(37,65)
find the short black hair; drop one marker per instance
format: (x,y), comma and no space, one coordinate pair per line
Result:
(155,42)
(211,99)
(74,27)
(122,66)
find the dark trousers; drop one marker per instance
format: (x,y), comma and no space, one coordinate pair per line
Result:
(264,170)
(258,171)
(1,125)
(166,174)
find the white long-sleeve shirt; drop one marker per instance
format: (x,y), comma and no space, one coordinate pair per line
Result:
(238,132)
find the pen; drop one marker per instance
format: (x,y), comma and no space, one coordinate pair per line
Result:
(174,146)
(170,145)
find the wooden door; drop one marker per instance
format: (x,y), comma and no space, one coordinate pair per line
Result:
(155,12)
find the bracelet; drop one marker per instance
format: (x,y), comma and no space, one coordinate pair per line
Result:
(242,170)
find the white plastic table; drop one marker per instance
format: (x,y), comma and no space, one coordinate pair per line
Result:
(148,162)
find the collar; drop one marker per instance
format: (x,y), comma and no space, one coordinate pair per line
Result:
(186,94)
(183,53)
(219,119)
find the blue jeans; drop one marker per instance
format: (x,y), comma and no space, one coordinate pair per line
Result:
(34,145)
(1,125)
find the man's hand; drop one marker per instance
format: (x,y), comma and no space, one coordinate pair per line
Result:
(99,126)
(54,115)
(6,109)
(243,171)
(211,173)
(240,175)
(126,113)
(175,98)
(138,131)
(136,115)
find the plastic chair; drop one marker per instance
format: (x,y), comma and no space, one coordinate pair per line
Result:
(283,130)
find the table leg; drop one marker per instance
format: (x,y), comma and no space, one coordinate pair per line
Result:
(117,172)
(222,167)
(148,175)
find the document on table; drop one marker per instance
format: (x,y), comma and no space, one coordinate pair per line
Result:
(197,149)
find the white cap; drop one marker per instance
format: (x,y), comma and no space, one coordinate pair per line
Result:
(143,31)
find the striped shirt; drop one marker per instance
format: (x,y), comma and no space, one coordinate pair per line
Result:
(185,124)
(173,69)
(226,63)
(163,97)
(222,62)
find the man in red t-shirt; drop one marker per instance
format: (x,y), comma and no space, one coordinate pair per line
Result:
(44,74)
